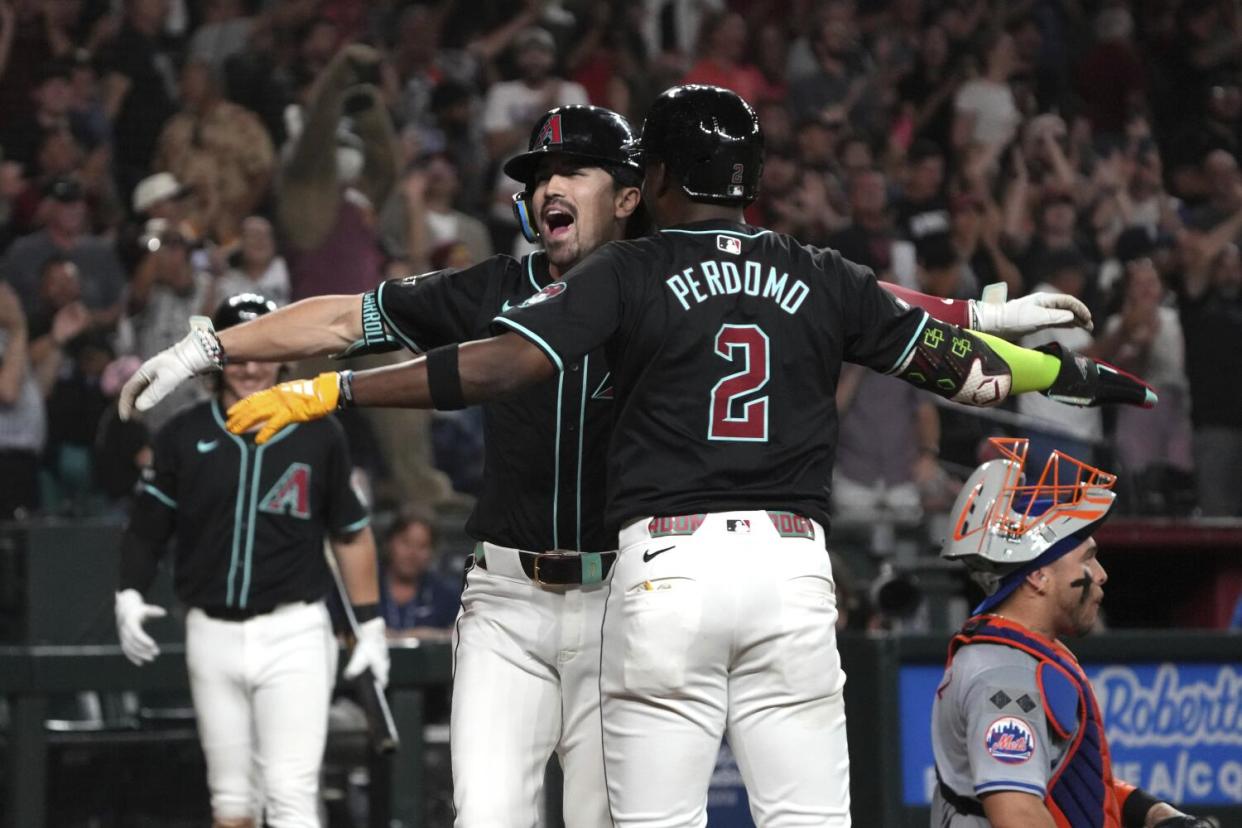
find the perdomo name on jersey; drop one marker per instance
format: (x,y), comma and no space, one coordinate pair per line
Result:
(715,278)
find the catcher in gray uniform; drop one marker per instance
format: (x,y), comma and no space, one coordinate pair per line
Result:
(1016,731)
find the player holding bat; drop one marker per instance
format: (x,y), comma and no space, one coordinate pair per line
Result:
(249,523)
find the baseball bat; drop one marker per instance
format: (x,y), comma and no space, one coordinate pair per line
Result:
(381,729)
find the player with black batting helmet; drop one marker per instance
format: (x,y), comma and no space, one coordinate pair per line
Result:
(724,344)
(1016,730)
(249,522)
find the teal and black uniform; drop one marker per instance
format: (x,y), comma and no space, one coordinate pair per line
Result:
(249,521)
(543,481)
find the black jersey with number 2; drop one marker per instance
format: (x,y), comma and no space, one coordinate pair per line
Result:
(725,344)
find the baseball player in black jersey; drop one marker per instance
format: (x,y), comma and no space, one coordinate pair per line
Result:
(724,343)
(248,523)
(526,653)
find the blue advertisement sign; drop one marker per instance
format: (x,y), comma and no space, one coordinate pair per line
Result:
(1174,729)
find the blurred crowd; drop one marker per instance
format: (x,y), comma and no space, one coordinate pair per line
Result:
(161,155)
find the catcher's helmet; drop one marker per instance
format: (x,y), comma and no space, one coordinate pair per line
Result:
(589,133)
(240,308)
(1003,528)
(710,139)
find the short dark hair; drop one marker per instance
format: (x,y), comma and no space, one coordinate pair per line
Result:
(406,517)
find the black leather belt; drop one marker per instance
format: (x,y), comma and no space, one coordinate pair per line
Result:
(237,613)
(559,568)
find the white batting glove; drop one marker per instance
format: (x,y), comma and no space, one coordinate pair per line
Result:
(1019,317)
(198,353)
(370,650)
(131,613)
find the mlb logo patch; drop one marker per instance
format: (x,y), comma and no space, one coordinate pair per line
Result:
(737,526)
(730,245)
(1010,740)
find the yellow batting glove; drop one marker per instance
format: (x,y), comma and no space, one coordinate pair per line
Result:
(298,401)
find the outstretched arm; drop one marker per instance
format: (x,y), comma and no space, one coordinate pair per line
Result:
(993,314)
(447,378)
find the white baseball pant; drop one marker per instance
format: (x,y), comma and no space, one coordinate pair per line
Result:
(261,690)
(730,631)
(525,684)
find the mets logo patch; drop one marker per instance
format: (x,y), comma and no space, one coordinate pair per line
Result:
(1010,740)
(554,289)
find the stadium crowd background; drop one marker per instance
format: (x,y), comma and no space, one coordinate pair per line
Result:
(158,156)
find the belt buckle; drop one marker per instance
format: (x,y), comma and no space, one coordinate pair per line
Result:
(538,579)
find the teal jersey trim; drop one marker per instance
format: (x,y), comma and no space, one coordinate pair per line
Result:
(533,337)
(718,232)
(379,304)
(255,474)
(586,365)
(241,489)
(556,468)
(160,496)
(356,526)
(910,345)
(530,272)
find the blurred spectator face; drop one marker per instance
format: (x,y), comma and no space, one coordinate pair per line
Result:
(59,154)
(82,84)
(837,32)
(66,217)
(1222,171)
(1227,274)
(535,62)
(966,219)
(868,192)
(196,84)
(148,13)
(320,42)
(1002,58)
(410,551)
(59,285)
(1143,283)
(772,53)
(442,181)
(54,96)
(1058,216)
(1225,101)
(780,175)
(817,141)
(241,379)
(777,123)
(724,37)
(1069,280)
(62,13)
(574,208)
(417,38)
(1027,41)
(856,156)
(452,254)
(258,243)
(925,177)
(907,13)
(934,47)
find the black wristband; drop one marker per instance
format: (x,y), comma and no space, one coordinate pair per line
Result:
(365,612)
(1134,809)
(443,381)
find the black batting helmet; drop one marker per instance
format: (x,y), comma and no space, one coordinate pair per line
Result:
(240,308)
(590,133)
(593,134)
(709,139)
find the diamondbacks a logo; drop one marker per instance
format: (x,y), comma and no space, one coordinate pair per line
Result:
(551,133)
(1010,740)
(554,289)
(291,494)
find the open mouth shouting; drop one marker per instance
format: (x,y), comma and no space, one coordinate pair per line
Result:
(558,220)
